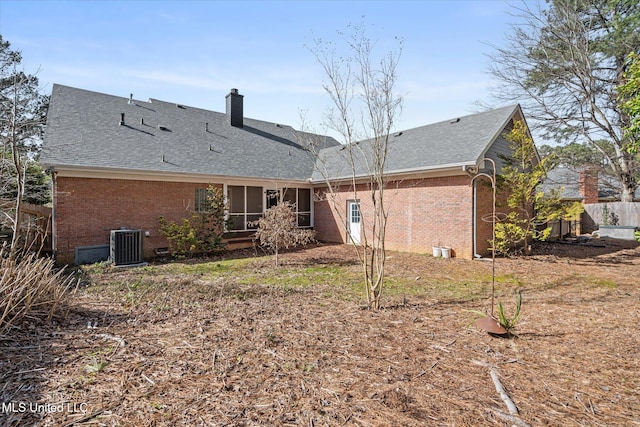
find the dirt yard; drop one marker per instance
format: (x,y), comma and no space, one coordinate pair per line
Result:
(242,343)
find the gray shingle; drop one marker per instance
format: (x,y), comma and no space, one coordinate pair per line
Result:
(83,131)
(568,181)
(462,141)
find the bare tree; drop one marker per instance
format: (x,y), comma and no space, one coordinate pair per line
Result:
(22,116)
(278,228)
(29,286)
(365,106)
(564,65)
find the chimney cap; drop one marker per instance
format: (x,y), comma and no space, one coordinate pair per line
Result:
(234,91)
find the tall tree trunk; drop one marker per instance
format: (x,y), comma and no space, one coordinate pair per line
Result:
(17,164)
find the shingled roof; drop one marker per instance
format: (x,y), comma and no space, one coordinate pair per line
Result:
(84,131)
(93,131)
(463,141)
(567,181)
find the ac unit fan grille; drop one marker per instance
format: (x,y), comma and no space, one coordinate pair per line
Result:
(126,247)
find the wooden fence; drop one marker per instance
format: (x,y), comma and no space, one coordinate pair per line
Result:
(35,223)
(614,213)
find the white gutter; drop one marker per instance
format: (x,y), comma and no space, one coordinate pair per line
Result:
(457,168)
(132,174)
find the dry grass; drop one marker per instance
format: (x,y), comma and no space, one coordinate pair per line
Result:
(29,286)
(241,343)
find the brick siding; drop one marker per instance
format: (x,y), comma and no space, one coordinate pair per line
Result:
(484,210)
(422,212)
(88,209)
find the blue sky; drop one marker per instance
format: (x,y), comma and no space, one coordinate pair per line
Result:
(193,52)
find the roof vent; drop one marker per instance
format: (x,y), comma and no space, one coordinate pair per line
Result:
(182,107)
(164,128)
(121,119)
(398,134)
(455,120)
(130,98)
(206,127)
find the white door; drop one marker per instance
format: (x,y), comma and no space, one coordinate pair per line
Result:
(355,221)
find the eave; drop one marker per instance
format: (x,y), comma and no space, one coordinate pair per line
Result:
(67,171)
(452,169)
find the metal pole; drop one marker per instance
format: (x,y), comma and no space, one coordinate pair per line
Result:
(492,179)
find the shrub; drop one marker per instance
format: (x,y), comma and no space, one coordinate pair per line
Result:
(278,229)
(200,234)
(528,207)
(509,234)
(30,286)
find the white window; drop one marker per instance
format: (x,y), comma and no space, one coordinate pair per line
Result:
(201,200)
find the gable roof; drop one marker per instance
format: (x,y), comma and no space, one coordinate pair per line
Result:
(463,141)
(84,132)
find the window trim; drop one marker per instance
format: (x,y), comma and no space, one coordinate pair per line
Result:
(244,214)
(265,191)
(200,199)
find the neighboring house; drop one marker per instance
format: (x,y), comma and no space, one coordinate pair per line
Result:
(585,186)
(588,187)
(120,163)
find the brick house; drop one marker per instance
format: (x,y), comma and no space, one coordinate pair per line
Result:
(588,187)
(119,163)
(583,185)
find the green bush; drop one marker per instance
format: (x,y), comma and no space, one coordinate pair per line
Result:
(201,233)
(527,207)
(509,234)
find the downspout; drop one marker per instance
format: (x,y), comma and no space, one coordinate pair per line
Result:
(54,239)
(475,218)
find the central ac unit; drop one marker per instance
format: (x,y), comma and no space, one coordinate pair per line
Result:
(126,247)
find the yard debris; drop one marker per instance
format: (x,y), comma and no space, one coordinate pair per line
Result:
(511,407)
(512,419)
(248,348)
(148,379)
(119,340)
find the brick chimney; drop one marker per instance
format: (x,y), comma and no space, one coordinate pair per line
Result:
(234,108)
(589,185)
